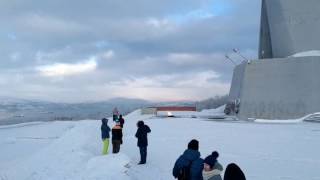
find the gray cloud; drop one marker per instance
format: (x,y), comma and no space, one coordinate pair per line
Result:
(128,41)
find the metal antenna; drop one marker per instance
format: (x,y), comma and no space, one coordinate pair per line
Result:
(238,52)
(227,57)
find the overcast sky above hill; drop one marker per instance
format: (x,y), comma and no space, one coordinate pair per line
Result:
(161,50)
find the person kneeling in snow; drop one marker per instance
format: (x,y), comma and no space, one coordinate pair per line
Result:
(189,165)
(212,169)
(105,130)
(142,135)
(116,138)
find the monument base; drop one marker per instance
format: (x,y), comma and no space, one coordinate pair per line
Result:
(286,88)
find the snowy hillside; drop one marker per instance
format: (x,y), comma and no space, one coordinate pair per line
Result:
(13,111)
(72,150)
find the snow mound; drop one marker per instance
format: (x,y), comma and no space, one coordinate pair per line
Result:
(307,53)
(107,167)
(314,117)
(73,156)
(278,121)
(136,115)
(217,113)
(213,111)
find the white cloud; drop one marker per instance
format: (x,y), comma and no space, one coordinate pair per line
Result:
(183,58)
(170,87)
(199,14)
(199,80)
(158,23)
(194,58)
(107,55)
(158,26)
(63,69)
(195,15)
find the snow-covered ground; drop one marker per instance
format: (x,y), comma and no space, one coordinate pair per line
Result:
(307,53)
(72,150)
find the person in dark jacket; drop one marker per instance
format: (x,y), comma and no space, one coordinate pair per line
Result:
(116,138)
(105,130)
(142,135)
(115,114)
(121,120)
(189,161)
(212,168)
(233,172)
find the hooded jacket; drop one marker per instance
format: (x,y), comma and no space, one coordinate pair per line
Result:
(142,135)
(105,130)
(193,157)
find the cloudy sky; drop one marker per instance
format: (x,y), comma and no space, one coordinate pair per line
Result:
(80,50)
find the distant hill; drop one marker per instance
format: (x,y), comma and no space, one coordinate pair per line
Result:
(14,110)
(212,103)
(18,110)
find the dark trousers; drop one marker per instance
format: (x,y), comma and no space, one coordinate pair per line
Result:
(143,154)
(116,146)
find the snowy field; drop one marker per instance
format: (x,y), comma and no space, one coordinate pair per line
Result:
(72,150)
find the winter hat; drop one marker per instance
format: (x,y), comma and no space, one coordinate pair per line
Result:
(215,154)
(104,120)
(194,145)
(210,160)
(233,172)
(140,123)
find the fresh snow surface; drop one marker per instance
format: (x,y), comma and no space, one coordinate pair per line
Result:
(212,113)
(307,53)
(279,121)
(72,150)
(308,117)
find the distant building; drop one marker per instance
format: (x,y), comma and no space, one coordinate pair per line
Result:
(284,83)
(149,110)
(168,110)
(289,27)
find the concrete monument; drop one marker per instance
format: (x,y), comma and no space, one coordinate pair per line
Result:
(285,82)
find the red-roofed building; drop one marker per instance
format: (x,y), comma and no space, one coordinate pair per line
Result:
(169,110)
(176,108)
